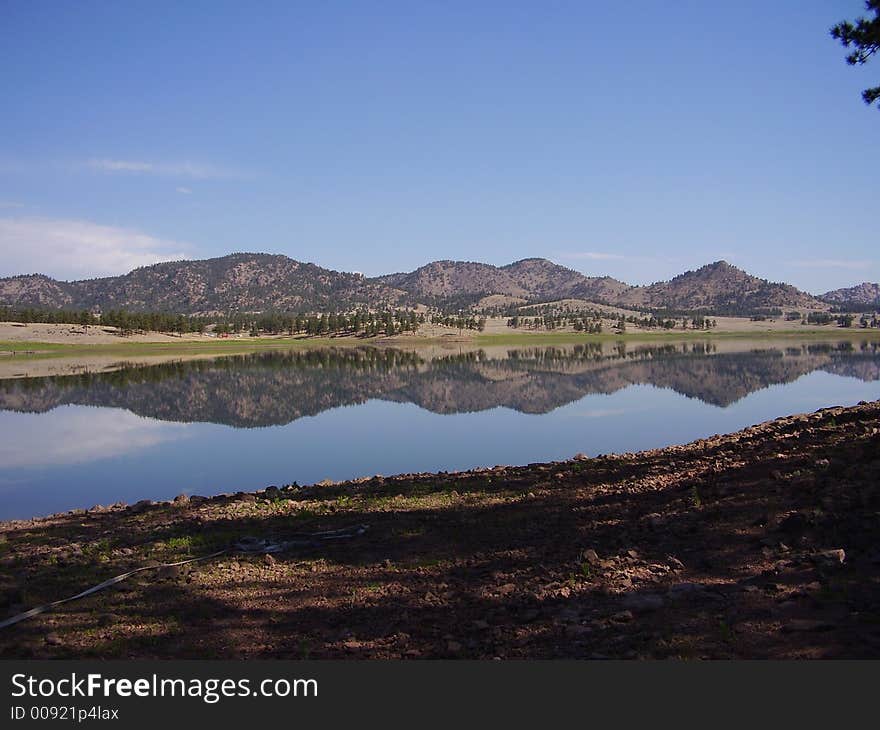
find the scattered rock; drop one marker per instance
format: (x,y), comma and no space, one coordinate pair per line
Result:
(53,639)
(829,558)
(141,506)
(181,499)
(654,520)
(592,557)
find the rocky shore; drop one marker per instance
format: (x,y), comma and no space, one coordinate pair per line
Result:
(760,544)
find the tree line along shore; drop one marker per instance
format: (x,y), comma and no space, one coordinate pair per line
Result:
(545,318)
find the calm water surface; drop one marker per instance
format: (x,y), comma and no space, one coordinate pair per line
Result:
(242,423)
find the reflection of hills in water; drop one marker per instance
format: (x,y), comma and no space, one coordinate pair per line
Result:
(276,388)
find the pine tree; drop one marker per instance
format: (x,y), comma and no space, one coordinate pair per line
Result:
(864,37)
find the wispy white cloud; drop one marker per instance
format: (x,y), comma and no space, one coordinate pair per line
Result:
(69,249)
(185,169)
(10,204)
(121,166)
(184,191)
(111,432)
(193,170)
(834,264)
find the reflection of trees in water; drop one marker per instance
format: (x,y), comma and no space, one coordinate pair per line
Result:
(278,387)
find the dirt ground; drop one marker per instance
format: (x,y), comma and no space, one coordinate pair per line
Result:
(759,544)
(97,335)
(91,335)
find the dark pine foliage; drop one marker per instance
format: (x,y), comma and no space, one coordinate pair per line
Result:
(863,37)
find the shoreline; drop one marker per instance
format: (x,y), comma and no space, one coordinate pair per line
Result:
(36,348)
(756,544)
(40,359)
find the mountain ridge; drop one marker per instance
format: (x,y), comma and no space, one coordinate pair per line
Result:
(274,282)
(236,282)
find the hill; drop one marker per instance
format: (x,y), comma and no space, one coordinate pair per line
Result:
(447,280)
(862,295)
(254,282)
(719,288)
(36,290)
(533,279)
(238,282)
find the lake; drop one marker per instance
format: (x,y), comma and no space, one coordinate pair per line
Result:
(241,423)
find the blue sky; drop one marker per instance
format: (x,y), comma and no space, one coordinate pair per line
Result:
(636,140)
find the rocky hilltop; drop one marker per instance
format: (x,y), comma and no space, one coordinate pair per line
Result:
(865,294)
(718,287)
(529,279)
